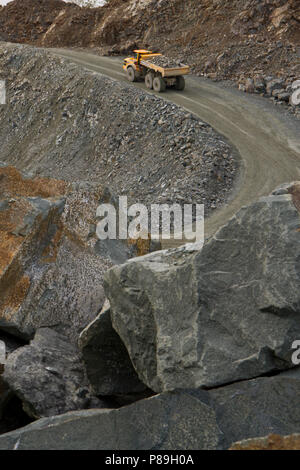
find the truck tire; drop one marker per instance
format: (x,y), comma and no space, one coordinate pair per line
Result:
(131,75)
(159,85)
(149,80)
(180,83)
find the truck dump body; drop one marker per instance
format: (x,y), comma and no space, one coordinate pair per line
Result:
(158,71)
(167,67)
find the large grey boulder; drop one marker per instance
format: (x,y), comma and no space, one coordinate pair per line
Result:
(228,312)
(180,420)
(106,359)
(168,421)
(50,274)
(257,407)
(49,376)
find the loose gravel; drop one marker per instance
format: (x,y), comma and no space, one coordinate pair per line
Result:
(165,62)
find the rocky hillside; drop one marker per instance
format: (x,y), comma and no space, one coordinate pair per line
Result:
(56,125)
(223,39)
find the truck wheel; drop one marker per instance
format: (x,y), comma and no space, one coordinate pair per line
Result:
(180,83)
(131,75)
(159,85)
(149,80)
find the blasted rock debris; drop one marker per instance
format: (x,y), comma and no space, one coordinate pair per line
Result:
(165,62)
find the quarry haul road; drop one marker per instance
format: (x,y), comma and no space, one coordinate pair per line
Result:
(267,140)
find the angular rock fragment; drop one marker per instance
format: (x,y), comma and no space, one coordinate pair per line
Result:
(108,365)
(180,420)
(226,313)
(48,376)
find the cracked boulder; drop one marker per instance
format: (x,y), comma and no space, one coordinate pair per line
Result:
(49,376)
(108,365)
(226,313)
(180,420)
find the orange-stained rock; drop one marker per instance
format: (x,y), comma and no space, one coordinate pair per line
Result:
(272,442)
(49,273)
(27,225)
(14,184)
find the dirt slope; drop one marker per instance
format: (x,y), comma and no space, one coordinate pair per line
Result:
(221,38)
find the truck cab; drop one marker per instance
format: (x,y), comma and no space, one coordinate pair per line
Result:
(135,61)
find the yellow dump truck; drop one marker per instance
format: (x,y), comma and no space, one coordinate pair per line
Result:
(156,70)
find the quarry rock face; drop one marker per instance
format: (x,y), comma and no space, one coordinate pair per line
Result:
(227,313)
(180,420)
(207,335)
(255,35)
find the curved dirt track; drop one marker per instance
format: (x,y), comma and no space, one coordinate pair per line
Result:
(267,140)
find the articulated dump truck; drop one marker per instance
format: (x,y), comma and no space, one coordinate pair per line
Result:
(158,71)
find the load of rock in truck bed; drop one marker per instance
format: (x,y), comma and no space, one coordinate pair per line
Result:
(165,62)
